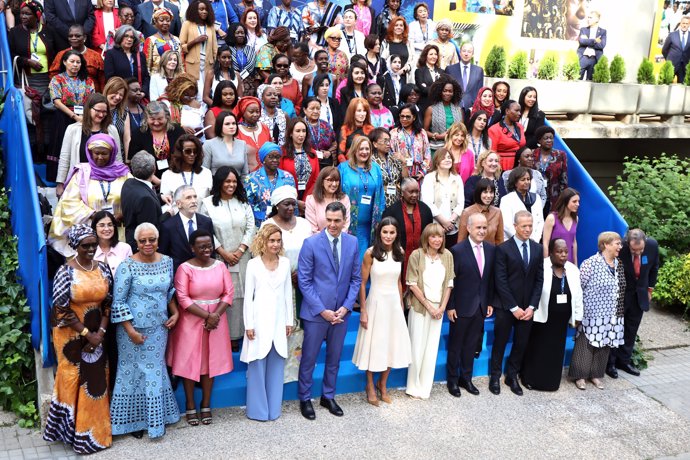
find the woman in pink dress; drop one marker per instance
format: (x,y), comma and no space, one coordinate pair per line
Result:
(204,292)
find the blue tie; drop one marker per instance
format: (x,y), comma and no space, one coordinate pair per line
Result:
(73,7)
(525,258)
(336,259)
(683,40)
(190,228)
(465,77)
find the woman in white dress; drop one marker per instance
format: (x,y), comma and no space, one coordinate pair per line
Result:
(267,310)
(382,341)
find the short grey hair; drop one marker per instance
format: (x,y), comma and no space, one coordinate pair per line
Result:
(120,34)
(177,196)
(522,213)
(151,110)
(143,227)
(635,235)
(406,182)
(474,216)
(142,165)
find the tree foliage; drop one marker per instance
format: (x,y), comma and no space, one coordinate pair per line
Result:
(548,67)
(601,72)
(518,66)
(617,69)
(645,73)
(495,65)
(571,67)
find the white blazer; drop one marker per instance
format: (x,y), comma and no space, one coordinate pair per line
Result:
(267,309)
(572,274)
(358,44)
(511,204)
(417,37)
(69,153)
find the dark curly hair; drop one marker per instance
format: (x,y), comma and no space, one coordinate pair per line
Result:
(219,178)
(192,13)
(437,88)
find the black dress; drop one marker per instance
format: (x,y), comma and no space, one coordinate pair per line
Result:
(543,364)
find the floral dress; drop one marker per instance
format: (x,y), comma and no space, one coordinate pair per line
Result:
(338,64)
(259,189)
(265,57)
(414,148)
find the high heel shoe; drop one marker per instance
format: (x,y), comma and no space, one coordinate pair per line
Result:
(374,401)
(385,398)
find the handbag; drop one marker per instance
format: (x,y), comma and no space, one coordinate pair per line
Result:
(31,97)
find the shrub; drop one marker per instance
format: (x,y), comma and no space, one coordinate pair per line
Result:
(601,71)
(548,67)
(571,67)
(518,66)
(666,73)
(617,69)
(495,65)
(673,283)
(652,194)
(686,81)
(645,73)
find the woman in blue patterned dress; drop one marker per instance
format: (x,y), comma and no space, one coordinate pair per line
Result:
(144,309)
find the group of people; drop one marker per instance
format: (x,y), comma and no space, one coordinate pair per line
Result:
(243,186)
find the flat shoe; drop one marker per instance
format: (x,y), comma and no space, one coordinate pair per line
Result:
(580,384)
(597,383)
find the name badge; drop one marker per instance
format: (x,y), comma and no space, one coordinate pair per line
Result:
(391,190)
(409,162)
(217,26)
(366,199)
(562,298)
(244,74)
(162,164)
(643,259)
(301,185)
(35,57)
(78,109)
(269,208)
(319,154)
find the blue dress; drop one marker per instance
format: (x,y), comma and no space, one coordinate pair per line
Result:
(365,214)
(143,398)
(259,189)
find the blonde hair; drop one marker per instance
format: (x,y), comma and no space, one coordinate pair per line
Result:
(354,147)
(606,238)
(164,62)
(479,169)
(260,242)
(433,229)
(452,131)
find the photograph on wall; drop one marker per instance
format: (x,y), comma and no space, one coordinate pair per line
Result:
(554,19)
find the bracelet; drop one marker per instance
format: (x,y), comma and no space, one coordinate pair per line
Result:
(102,330)
(84,332)
(242,250)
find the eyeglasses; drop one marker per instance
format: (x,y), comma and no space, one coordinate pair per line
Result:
(147,240)
(384,141)
(335,38)
(331,179)
(189,151)
(104,225)
(100,112)
(88,245)
(282,66)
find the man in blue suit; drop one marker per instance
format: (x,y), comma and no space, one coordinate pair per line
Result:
(676,48)
(329,277)
(470,302)
(470,76)
(592,42)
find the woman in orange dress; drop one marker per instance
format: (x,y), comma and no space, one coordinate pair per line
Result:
(79,413)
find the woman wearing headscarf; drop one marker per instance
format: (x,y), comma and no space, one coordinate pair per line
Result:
(261,183)
(79,413)
(93,186)
(448,51)
(279,41)
(484,101)
(251,130)
(162,41)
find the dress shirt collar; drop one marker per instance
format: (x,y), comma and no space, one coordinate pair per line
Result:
(145,182)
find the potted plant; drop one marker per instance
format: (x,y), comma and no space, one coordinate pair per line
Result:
(653,98)
(609,94)
(676,93)
(495,65)
(686,82)
(571,97)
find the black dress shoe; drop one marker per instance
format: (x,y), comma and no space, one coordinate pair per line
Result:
(514,386)
(138,434)
(612,372)
(307,410)
(332,406)
(495,386)
(629,368)
(469,387)
(453,389)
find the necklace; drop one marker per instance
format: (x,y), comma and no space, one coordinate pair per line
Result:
(434,257)
(76,259)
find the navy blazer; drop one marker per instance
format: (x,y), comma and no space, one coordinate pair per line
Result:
(323,289)
(674,52)
(516,286)
(586,42)
(474,84)
(636,289)
(142,21)
(174,241)
(139,204)
(470,290)
(116,64)
(58,15)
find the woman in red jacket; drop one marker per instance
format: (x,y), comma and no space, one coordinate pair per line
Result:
(299,159)
(507,136)
(107,20)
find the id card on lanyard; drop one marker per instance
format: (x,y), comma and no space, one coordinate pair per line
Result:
(562,297)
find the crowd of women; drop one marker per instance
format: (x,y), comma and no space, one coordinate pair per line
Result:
(247,137)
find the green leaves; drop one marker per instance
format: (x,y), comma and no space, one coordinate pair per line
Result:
(571,67)
(666,73)
(617,69)
(518,66)
(645,73)
(495,65)
(548,67)
(601,73)
(673,283)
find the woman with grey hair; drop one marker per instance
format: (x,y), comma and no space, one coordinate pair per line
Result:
(144,310)
(125,60)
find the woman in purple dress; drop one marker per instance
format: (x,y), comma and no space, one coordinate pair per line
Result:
(562,223)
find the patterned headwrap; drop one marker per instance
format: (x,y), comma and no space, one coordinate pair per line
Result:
(267,148)
(78,233)
(446,23)
(157,12)
(260,92)
(245,102)
(35,7)
(279,34)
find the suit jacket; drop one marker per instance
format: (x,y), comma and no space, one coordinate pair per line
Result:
(532,125)
(323,289)
(674,52)
(98,34)
(470,290)
(143,20)
(174,241)
(474,83)
(139,204)
(396,211)
(636,289)
(58,15)
(586,42)
(117,65)
(517,286)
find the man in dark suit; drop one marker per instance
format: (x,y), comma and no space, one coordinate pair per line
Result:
(329,277)
(470,76)
(470,302)
(640,256)
(592,41)
(676,48)
(60,14)
(519,278)
(140,203)
(174,241)
(142,21)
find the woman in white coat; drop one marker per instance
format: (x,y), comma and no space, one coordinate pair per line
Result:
(268,321)
(520,198)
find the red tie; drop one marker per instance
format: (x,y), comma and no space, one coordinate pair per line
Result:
(636,265)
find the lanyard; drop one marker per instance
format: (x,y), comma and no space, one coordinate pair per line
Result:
(131,64)
(425,35)
(352,48)
(563,283)
(34,42)
(315,134)
(476,147)
(515,133)
(105,195)
(184,178)
(386,166)
(409,143)
(365,183)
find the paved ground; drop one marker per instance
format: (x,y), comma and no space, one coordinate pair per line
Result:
(633,418)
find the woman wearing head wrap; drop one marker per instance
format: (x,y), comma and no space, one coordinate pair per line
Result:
(79,413)
(448,50)
(181,97)
(251,130)
(162,40)
(261,183)
(484,101)
(278,42)
(92,186)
